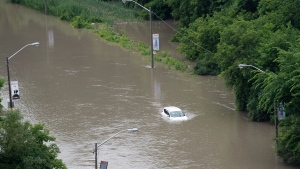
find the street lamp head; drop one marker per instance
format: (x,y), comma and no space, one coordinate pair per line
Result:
(245,65)
(35,44)
(133,130)
(126,1)
(242,66)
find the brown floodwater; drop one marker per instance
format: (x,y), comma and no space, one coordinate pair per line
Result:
(85,90)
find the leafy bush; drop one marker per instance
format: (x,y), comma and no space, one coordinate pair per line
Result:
(288,142)
(206,68)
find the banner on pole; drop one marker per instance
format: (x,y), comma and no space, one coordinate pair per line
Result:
(15,90)
(103,165)
(281,113)
(155,41)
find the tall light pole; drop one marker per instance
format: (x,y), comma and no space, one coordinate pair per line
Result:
(151,38)
(275,118)
(8,76)
(245,65)
(97,146)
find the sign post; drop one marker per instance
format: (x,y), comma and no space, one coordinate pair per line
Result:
(103,164)
(155,42)
(15,90)
(281,112)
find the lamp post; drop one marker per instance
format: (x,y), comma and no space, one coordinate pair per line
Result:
(8,76)
(275,118)
(245,65)
(97,146)
(151,38)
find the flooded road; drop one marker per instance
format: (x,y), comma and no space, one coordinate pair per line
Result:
(86,90)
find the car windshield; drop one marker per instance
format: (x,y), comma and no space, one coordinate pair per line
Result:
(177,114)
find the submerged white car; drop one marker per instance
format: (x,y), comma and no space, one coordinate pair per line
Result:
(174,113)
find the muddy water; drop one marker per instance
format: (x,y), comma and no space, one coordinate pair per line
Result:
(86,90)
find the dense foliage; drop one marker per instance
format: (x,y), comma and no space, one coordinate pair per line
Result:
(221,34)
(26,146)
(264,34)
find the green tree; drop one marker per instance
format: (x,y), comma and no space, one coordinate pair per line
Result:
(160,8)
(199,42)
(274,59)
(238,43)
(26,146)
(284,86)
(288,142)
(280,12)
(187,12)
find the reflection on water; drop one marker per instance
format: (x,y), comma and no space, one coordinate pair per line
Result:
(85,90)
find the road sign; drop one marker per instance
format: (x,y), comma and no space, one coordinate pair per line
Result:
(15,90)
(103,165)
(155,41)
(281,112)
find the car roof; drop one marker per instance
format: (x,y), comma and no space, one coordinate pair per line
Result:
(172,108)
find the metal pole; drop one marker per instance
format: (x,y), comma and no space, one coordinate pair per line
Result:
(96,147)
(257,69)
(9,87)
(151,38)
(276,122)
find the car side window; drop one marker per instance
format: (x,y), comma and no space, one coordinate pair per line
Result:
(167,113)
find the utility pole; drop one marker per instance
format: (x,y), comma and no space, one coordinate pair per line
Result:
(96,147)
(9,86)
(275,120)
(151,38)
